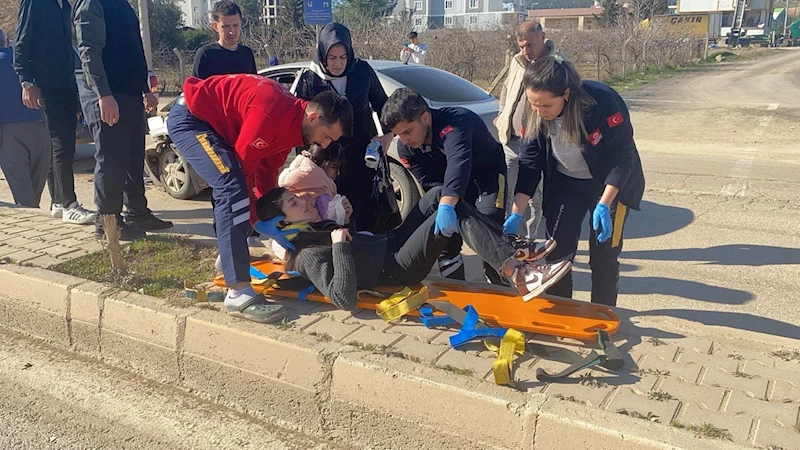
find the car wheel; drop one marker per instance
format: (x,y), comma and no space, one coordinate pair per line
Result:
(404,188)
(176,174)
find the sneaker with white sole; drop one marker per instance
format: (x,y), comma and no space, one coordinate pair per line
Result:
(56,210)
(528,250)
(77,214)
(532,280)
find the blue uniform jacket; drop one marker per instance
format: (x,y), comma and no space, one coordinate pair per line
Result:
(462,149)
(609,150)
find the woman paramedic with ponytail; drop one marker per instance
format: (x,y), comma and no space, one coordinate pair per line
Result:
(580,139)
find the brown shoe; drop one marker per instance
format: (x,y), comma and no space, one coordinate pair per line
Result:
(528,250)
(532,280)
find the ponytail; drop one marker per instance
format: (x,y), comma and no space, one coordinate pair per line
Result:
(555,75)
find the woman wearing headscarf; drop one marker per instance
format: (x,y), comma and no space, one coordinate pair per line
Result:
(336,68)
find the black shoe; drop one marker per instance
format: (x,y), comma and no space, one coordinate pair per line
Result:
(147,222)
(127,233)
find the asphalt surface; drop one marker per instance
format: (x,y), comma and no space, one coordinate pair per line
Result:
(55,400)
(717,240)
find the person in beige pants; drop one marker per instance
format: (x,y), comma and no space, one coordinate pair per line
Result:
(513,109)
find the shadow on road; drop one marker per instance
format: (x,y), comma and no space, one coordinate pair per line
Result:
(668,286)
(742,321)
(725,255)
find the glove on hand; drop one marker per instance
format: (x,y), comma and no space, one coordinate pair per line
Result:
(601,222)
(446,220)
(511,225)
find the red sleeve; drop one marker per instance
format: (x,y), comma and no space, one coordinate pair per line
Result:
(261,158)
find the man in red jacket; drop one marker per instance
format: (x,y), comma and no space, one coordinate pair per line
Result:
(236,132)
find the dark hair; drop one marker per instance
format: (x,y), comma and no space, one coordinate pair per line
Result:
(412,34)
(324,157)
(333,108)
(404,105)
(225,8)
(270,204)
(528,26)
(555,75)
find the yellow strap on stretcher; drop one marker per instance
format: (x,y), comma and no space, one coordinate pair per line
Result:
(512,344)
(401,303)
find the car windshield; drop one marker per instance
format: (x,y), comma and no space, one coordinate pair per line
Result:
(437,85)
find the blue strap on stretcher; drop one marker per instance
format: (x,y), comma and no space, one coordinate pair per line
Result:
(257,274)
(468,331)
(430,320)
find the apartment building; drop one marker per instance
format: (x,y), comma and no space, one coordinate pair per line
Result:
(428,14)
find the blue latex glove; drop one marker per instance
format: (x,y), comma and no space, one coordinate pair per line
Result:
(601,222)
(269,228)
(446,221)
(511,225)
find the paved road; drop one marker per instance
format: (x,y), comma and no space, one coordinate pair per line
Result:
(718,238)
(55,400)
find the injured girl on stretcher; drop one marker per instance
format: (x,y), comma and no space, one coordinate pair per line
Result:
(339,261)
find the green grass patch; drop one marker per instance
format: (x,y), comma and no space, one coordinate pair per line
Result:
(705,430)
(156,266)
(637,79)
(458,370)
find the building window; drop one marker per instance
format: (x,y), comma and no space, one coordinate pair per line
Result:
(473,20)
(448,4)
(448,21)
(195,9)
(417,6)
(418,21)
(473,4)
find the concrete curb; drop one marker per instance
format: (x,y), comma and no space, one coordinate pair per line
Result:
(308,382)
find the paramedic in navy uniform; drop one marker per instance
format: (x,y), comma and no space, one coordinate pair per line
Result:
(581,141)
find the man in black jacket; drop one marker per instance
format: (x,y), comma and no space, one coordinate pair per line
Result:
(452,148)
(43,59)
(226,56)
(113,100)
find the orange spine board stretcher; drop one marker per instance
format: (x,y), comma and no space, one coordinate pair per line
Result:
(551,316)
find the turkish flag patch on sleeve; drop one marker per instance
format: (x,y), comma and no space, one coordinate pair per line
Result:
(445,130)
(405,163)
(615,120)
(259,144)
(595,137)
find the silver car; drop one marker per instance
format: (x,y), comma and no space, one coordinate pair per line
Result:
(439,88)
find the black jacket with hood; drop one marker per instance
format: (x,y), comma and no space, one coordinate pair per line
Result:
(363,87)
(365,93)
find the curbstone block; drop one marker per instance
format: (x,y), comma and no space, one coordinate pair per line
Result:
(34,302)
(382,392)
(141,332)
(86,305)
(263,350)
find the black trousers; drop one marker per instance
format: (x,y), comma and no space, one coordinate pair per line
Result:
(60,117)
(488,195)
(414,247)
(566,205)
(119,155)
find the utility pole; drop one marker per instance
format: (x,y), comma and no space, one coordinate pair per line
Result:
(144,29)
(785,20)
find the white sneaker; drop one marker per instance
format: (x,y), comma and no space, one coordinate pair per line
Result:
(77,214)
(532,280)
(56,209)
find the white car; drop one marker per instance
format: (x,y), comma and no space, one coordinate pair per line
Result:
(439,88)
